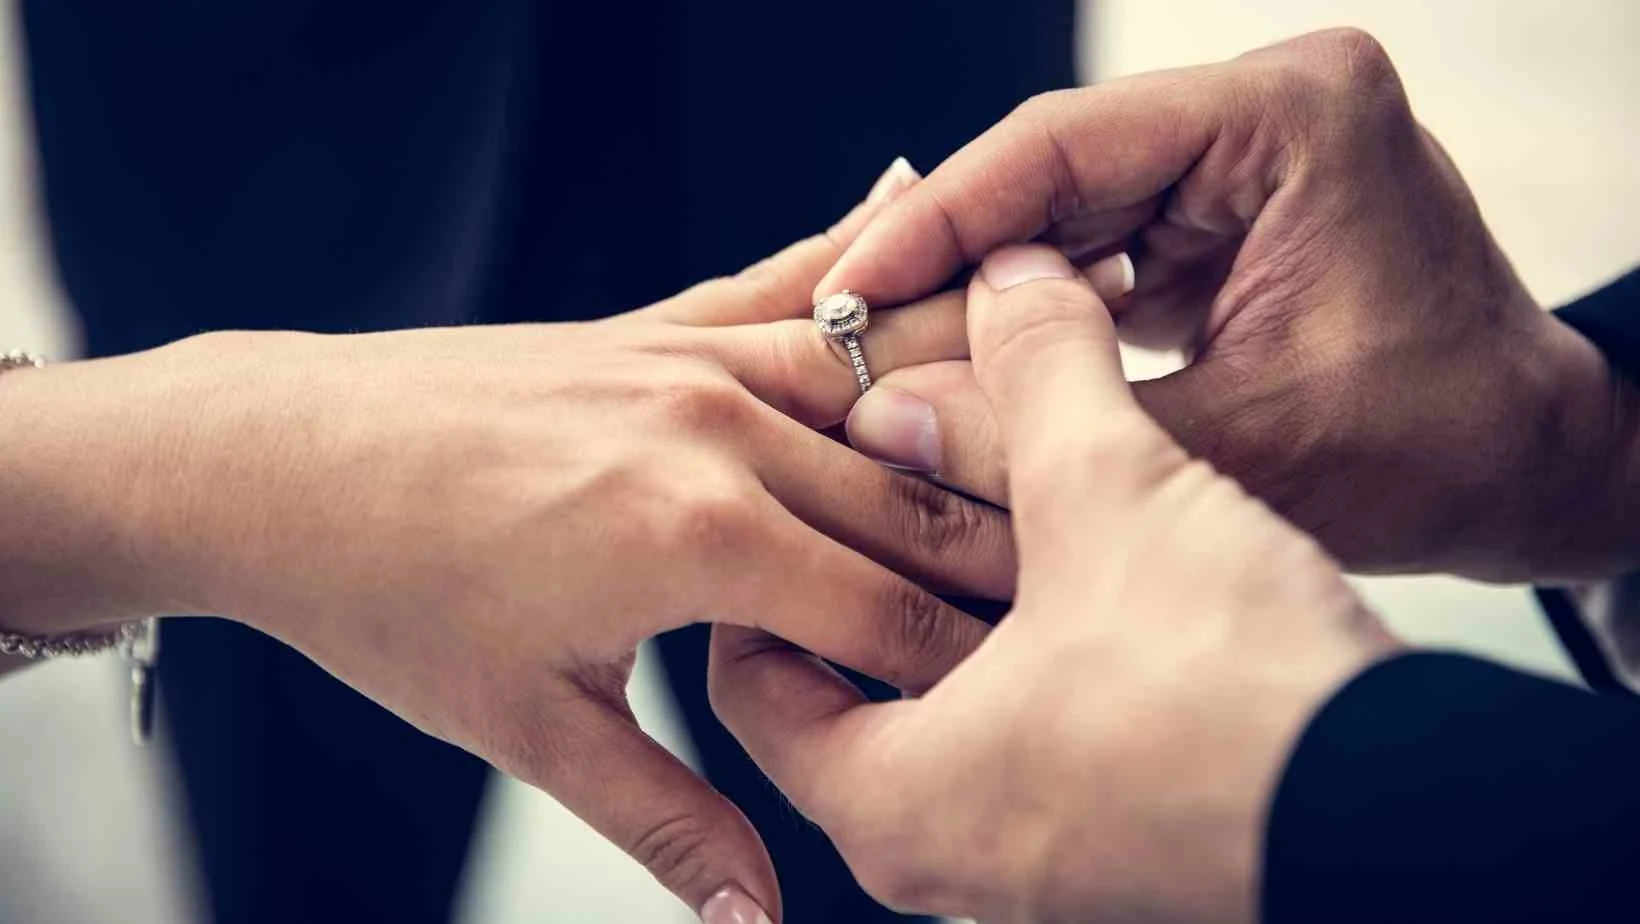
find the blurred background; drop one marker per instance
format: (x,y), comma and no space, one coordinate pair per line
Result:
(147,164)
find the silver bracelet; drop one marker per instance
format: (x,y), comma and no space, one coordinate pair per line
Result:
(71,645)
(17,359)
(137,642)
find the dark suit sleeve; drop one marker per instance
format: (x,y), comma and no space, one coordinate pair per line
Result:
(1610,319)
(1442,788)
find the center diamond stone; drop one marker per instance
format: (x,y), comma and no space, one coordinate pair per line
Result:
(841,315)
(838,307)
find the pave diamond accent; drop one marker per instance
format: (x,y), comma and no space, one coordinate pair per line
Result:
(857,358)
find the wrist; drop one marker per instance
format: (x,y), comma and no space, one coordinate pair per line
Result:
(69,558)
(200,518)
(1586,526)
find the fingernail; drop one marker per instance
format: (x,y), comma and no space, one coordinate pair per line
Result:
(894,181)
(1112,277)
(1022,263)
(897,428)
(732,906)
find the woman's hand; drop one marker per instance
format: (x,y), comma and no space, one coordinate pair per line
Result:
(477,527)
(1110,751)
(1364,357)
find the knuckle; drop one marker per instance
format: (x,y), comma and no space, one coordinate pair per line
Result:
(1361,60)
(1343,73)
(770,279)
(935,519)
(675,849)
(754,279)
(698,299)
(709,405)
(712,517)
(1036,119)
(1303,95)
(921,633)
(1039,106)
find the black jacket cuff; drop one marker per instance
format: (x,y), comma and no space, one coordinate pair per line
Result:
(1610,319)
(1442,788)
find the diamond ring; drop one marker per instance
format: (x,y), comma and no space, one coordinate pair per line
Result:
(842,318)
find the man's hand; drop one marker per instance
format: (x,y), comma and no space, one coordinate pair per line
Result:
(1110,750)
(1364,357)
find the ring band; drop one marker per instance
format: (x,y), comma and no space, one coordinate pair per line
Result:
(858,359)
(842,318)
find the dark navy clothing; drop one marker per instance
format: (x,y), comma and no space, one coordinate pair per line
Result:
(1449,790)
(1439,788)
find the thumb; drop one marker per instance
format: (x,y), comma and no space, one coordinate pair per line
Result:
(1078,447)
(933,418)
(602,767)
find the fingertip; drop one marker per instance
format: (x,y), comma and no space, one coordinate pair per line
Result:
(896,179)
(889,186)
(640,796)
(1112,277)
(896,428)
(1018,264)
(855,270)
(905,251)
(731,905)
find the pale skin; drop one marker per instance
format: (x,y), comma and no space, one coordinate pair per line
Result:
(477,527)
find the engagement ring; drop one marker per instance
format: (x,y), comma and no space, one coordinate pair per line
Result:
(842,318)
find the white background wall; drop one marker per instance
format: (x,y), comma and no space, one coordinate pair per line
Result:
(1535,102)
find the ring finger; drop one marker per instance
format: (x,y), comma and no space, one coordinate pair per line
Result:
(792,366)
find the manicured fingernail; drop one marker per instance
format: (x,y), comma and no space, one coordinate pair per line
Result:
(897,428)
(732,906)
(894,181)
(1112,277)
(1022,263)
